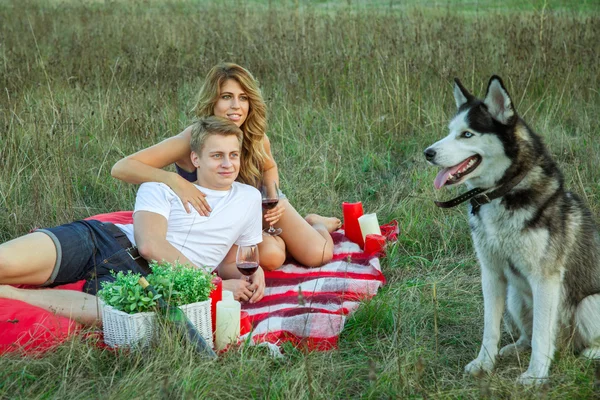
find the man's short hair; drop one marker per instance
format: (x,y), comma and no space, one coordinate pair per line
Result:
(208,126)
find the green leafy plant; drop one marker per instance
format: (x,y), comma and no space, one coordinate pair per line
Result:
(125,294)
(178,284)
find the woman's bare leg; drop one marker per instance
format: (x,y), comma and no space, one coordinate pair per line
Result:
(81,307)
(309,243)
(271,252)
(27,260)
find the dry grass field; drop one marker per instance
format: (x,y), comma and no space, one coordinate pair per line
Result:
(355,91)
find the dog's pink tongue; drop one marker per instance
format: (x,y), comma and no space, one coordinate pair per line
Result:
(442,176)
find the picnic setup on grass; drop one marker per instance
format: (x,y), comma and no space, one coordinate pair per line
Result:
(301,305)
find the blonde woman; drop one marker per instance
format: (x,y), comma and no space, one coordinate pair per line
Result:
(231,91)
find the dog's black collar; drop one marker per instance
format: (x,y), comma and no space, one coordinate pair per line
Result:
(479,197)
(472,195)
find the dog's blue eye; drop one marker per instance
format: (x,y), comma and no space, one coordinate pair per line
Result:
(467,134)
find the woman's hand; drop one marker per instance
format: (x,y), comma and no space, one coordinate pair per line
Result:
(188,193)
(240,288)
(274,215)
(258,285)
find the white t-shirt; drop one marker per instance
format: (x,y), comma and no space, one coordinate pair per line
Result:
(236,218)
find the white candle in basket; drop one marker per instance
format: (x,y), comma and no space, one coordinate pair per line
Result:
(369,224)
(228,321)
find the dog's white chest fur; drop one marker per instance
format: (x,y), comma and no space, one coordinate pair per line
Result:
(500,237)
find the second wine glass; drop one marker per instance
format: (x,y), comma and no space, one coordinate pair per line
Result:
(270,198)
(246,260)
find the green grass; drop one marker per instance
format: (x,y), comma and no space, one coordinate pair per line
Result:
(355,91)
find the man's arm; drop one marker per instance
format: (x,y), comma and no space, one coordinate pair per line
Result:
(150,231)
(227,269)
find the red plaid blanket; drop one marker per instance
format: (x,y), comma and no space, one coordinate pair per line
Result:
(310,305)
(301,305)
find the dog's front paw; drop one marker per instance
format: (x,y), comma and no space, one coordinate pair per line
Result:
(478,367)
(530,379)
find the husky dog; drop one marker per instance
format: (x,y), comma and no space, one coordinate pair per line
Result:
(537,244)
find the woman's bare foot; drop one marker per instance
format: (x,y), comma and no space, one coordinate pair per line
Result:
(331,223)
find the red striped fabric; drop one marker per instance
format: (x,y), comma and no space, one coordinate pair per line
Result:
(309,306)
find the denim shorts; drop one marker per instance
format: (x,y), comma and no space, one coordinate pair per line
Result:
(87,250)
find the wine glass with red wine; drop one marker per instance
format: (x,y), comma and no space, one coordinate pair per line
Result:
(246,260)
(270,198)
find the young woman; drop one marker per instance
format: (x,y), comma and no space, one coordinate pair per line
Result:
(230,91)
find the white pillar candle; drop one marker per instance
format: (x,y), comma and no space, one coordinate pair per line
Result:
(227,329)
(369,224)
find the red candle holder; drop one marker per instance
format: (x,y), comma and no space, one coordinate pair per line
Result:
(215,295)
(351,213)
(374,244)
(245,324)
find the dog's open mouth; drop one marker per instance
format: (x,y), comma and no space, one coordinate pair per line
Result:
(452,175)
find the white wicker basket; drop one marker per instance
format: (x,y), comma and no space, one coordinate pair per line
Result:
(130,330)
(126,330)
(199,315)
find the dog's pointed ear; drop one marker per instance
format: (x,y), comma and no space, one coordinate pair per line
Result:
(461,95)
(498,101)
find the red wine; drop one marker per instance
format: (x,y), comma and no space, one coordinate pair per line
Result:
(269,204)
(247,268)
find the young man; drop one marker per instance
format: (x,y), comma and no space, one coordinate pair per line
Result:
(162,230)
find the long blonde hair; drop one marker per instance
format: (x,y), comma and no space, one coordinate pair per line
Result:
(255,125)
